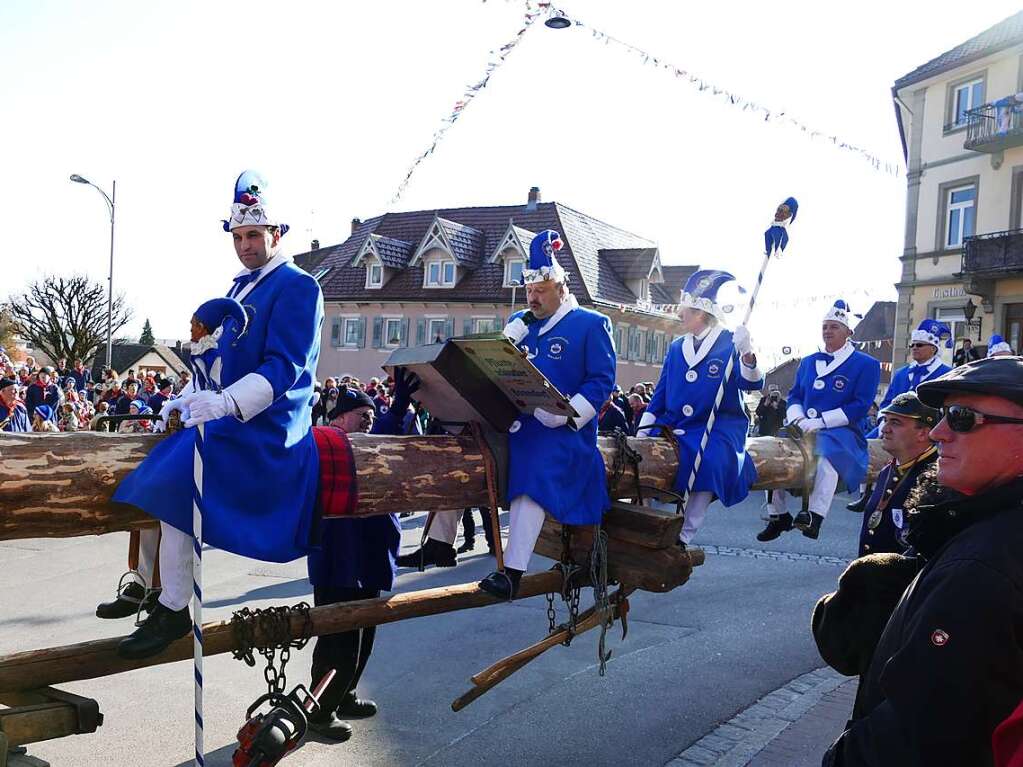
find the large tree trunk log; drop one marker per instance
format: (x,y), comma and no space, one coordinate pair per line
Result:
(59,485)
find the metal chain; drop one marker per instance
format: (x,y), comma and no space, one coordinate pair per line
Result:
(552,616)
(273,625)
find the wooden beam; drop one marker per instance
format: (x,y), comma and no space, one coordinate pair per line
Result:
(60,485)
(45,714)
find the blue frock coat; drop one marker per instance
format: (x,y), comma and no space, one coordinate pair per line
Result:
(907,379)
(259,477)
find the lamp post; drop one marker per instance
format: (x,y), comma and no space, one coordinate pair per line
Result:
(110,200)
(968,312)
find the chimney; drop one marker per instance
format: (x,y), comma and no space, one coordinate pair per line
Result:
(314,245)
(534,198)
(356,223)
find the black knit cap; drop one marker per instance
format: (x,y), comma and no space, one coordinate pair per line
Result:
(995,376)
(349,399)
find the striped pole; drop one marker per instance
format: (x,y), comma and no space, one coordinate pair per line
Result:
(200,435)
(768,252)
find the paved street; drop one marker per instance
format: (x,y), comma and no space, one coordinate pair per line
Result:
(693,660)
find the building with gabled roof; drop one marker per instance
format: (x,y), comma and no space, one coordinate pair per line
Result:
(420,276)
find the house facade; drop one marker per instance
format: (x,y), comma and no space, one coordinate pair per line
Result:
(960,117)
(407,279)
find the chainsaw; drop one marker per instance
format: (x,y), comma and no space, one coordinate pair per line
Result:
(267,737)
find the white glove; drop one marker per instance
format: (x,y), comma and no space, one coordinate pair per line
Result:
(209,406)
(809,425)
(516,330)
(741,339)
(549,420)
(179,405)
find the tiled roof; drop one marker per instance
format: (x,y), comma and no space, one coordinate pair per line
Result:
(878,324)
(630,263)
(783,376)
(309,261)
(466,243)
(394,254)
(124,356)
(1004,34)
(669,291)
(480,230)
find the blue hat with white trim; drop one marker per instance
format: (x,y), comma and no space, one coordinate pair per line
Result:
(542,264)
(932,332)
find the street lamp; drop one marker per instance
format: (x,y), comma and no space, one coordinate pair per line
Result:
(968,312)
(110,200)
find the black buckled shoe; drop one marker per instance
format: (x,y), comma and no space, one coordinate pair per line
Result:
(356,707)
(432,553)
(129,597)
(860,505)
(502,585)
(157,632)
(467,545)
(330,727)
(776,525)
(810,523)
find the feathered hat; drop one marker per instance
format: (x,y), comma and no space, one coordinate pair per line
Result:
(840,312)
(542,264)
(997,345)
(932,332)
(701,292)
(213,313)
(249,208)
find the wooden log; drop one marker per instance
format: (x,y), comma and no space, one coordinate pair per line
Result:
(60,485)
(88,660)
(46,714)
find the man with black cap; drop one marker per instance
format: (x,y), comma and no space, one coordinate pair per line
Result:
(905,434)
(949,665)
(356,560)
(13,414)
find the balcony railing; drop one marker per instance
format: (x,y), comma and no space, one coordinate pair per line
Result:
(994,253)
(995,127)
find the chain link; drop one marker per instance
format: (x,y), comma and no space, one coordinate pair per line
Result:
(273,626)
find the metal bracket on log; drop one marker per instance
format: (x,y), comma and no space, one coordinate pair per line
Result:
(46,713)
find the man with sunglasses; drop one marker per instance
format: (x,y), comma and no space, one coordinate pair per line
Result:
(926,365)
(949,665)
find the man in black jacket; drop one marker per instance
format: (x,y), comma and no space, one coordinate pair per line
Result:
(949,665)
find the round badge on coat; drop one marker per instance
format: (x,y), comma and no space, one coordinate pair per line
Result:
(691,376)
(875,519)
(687,410)
(818,384)
(515,426)
(812,412)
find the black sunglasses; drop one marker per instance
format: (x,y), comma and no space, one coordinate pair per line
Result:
(918,345)
(962,419)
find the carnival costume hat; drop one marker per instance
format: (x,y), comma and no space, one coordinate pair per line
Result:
(250,208)
(348,400)
(213,313)
(997,345)
(45,412)
(141,406)
(701,292)
(542,265)
(908,404)
(840,312)
(932,332)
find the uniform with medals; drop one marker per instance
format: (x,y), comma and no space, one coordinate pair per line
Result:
(884,520)
(692,373)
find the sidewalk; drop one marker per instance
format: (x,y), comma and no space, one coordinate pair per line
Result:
(790,727)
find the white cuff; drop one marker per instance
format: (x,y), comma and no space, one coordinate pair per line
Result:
(794,411)
(835,418)
(583,408)
(647,419)
(516,330)
(252,395)
(751,374)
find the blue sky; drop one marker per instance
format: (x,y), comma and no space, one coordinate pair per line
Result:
(332,101)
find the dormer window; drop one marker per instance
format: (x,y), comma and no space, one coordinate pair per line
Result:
(440,274)
(513,272)
(374,275)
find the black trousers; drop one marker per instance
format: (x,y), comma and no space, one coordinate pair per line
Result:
(347,652)
(469,526)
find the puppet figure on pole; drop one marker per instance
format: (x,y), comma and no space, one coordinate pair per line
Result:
(699,399)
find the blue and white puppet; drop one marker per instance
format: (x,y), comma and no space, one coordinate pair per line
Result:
(776,238)
(924,344)
(209,323)
(998,347)
(833,390)
(685,395)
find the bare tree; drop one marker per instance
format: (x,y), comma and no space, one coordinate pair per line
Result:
(66,316)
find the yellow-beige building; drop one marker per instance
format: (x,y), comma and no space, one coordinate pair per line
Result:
(960,117)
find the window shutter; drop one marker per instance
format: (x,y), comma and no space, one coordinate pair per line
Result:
(335,332)
(651,348)
(362,332)
(498,323)
(466,326)
(631,344)
(403,333)
(378,332)
(420,332)
(449,328)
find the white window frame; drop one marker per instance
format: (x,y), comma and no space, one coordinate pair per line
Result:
(491,325)
(385,337)
(431,336)
(347,322)
(441,266)
(961,207)
(445,266)
(372,266)
(509,282)
(966,88)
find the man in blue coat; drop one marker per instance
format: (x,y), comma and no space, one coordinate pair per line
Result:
(832,392)
(554,465)
(260,463)
(926,365)
(13,415)
(42,391)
